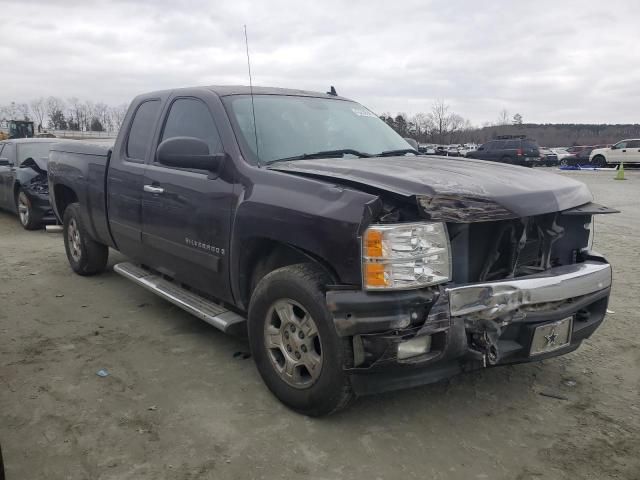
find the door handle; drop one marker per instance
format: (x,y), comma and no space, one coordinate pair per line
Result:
(624,150)
(152,189)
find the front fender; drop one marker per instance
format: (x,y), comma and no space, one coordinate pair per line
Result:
(320,218)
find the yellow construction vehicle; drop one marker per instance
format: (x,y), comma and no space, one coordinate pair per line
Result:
(16,129)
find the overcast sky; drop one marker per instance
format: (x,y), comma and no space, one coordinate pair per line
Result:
(551,61)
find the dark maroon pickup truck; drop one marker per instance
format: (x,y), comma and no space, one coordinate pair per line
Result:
(354,264)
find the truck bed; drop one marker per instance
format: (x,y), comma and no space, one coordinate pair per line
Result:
(81,166)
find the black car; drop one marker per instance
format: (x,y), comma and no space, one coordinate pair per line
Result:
(581,157)
(548,157)
(515,150)
(23,180)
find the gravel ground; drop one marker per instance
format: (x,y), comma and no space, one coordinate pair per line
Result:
(178,404)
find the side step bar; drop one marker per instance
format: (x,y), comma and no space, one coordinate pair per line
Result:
(207,310)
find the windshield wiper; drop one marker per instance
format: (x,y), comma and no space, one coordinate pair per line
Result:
(391,153)
(323,154)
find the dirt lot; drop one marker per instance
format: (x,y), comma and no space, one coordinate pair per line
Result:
(178,404)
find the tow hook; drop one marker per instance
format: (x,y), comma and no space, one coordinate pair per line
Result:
(486,344)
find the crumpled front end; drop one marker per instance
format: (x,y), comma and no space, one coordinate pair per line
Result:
(522,290)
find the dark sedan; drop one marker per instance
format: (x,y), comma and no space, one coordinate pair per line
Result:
(580,156)
(23,180)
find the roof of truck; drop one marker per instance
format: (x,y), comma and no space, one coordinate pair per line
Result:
(226,90)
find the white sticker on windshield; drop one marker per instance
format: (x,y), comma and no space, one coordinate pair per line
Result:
(363,113)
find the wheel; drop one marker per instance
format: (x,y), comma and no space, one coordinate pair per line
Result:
(506,159)
(564,162)
(599,161)
(28,218)
(294,343)
(85,255)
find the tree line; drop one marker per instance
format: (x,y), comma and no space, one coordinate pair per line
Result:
(54,113)
(443,126)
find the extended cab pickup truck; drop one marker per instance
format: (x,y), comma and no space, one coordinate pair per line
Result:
(354,264)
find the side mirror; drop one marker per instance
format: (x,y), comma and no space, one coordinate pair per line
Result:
(613,147)
(188,152)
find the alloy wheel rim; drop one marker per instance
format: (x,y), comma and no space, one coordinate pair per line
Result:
(23,208)
(73,235)
(293,343)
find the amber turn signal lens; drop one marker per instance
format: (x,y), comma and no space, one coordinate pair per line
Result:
(373,243)
(374,275)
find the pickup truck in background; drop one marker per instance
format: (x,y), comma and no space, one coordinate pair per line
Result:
(354,264)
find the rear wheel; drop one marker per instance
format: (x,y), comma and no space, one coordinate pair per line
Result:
(85,255)
(26,214)
(296,348)
(506,159)
(599,161)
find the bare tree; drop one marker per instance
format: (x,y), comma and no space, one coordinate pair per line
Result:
(55,111)
(39,109)
(440,117)
(117,115)
(503,117)
(517,119)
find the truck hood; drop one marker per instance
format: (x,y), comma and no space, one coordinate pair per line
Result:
(520,191)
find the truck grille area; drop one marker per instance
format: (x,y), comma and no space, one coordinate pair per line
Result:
(486,251)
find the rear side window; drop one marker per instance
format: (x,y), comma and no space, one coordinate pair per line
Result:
(633,144)
(190,117)
(512,144)
(142,130)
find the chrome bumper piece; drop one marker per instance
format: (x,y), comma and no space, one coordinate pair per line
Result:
(492,300)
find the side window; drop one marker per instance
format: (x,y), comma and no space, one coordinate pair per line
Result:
(142,130)
(512,144)
(621,145)
(633,144)
(189,117)
(8,153)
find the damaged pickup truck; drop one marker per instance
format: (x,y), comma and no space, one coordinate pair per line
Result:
(354,264)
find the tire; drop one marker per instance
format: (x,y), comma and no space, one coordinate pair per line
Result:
(599,161)
(285,298)
(28,218)
(85,255)
(506,159)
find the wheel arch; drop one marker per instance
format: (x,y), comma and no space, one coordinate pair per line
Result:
(63,196)
(261,255)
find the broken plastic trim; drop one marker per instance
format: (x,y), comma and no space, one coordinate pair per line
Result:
(462,209)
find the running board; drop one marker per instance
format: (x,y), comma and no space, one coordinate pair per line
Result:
(207,310)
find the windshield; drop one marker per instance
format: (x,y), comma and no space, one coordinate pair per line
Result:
(37,151)
(292,126)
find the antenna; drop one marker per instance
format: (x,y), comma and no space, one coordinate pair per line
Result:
(253,108)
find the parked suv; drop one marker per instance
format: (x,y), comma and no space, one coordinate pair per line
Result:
(627,151)
(517,150)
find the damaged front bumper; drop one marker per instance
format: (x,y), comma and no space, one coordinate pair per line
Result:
(403,339)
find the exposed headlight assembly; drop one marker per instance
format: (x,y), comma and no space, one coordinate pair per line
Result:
(406,255)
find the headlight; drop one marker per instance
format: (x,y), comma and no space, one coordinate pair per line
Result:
(406,255)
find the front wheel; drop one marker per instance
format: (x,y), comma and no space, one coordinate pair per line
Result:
(85,255)
(294,343)
(599,161)
(26,214)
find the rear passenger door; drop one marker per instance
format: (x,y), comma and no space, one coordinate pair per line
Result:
(125,179)
(186,213)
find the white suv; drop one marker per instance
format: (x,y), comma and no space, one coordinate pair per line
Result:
(627,151)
